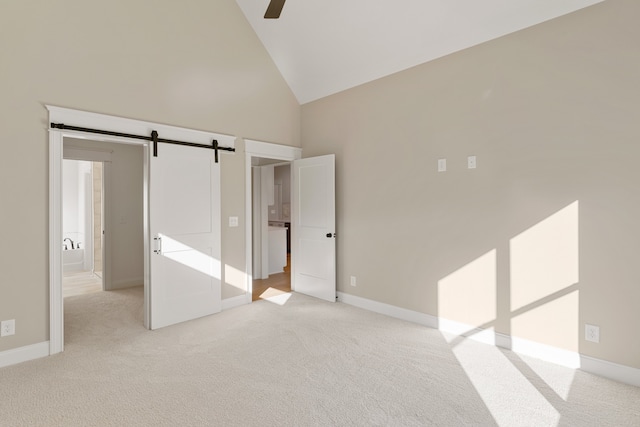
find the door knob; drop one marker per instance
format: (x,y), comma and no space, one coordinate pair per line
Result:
(330,235)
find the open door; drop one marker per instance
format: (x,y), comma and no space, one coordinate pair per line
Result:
(184,221)
(313,236)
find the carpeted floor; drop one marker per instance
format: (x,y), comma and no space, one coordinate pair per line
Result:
(303,363)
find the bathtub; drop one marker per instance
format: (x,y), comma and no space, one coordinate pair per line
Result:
(73,259)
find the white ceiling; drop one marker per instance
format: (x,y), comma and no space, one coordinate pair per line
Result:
(325,46)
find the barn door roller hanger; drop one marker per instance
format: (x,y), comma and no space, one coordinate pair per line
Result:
(153,138)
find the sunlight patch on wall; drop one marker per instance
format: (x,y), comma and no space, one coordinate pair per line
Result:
(554,322)
(545,258)
(468,295)
(235,277)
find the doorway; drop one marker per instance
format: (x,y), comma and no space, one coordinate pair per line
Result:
(83,202)
(78,145)
(261,153)
(313,249)
(271,195)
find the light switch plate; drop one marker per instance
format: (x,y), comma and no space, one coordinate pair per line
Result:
(233,221)
(442,165)
(471,162)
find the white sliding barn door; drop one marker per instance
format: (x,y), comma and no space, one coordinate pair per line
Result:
(314,244)
(184,220)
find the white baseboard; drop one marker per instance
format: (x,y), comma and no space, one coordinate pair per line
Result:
(559,356)
(234,302)
(571,359)
(389,310)
(23,354)
(613,371)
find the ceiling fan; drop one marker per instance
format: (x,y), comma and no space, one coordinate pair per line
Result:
(274,9)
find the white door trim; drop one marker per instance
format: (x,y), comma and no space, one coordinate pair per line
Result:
(110,123)
(265,150)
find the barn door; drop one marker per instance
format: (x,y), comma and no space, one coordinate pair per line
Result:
(184,221)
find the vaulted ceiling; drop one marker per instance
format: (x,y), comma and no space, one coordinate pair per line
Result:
(322,47)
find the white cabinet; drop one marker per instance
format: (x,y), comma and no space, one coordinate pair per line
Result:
(277,249)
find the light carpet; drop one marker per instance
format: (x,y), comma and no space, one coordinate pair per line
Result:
(303,363)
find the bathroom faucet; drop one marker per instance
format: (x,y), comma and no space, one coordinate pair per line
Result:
(65,246)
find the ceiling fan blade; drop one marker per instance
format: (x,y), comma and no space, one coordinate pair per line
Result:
(274,9)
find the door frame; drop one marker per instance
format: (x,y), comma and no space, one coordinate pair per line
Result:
(115,124)
(267,150)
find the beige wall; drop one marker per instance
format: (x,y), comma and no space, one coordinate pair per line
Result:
(233,238)
(194,64)
(543,236)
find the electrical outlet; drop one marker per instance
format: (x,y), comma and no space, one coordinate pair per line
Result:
(353,281)
(592,333)
(7,327)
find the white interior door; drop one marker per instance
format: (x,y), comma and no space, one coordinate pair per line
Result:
(184,220)
(313,236)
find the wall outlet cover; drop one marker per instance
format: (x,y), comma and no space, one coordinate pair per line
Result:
(592,333)
(7,327)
